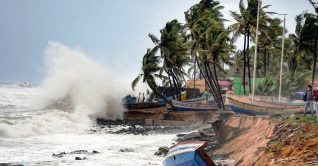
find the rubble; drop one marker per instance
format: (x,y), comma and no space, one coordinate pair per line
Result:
(294,142)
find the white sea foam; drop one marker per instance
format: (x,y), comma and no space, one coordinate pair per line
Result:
(89,85)
(38,150)
(94,92)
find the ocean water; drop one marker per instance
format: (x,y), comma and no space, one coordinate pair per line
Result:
(30,136)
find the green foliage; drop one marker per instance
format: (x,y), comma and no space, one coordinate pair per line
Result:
(298,120)
(267,87)
(294,83)
(205,39)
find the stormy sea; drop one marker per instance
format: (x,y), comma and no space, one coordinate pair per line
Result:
(55,122)
(75,117)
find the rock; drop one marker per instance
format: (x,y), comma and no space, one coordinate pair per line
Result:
(79,152)
(180,135)
(61,154)
(289,150)
(162,151)
(84,158)
(78,158)
(279,160)
(127,150)
(95,152)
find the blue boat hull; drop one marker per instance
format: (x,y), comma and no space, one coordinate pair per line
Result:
(247,111)
(185,159)
(190,153)
(180,108)
(256,109)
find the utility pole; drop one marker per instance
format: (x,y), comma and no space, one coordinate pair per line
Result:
(281,61)
(255,54)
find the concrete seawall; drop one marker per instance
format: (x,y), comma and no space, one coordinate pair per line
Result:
(162,117)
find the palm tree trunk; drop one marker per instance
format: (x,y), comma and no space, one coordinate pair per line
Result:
(214,86)
(244,64)
(294,66)
(178,86)
(175,84)
(265,62)
(268,60)
(194,70)
(217,86)
(248,60)
(209,83)
(157,92)
(170,89)
(315,58)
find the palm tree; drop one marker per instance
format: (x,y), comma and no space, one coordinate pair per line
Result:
(246,25)
(150,67)
(315,5)
(270,42)
(295,82)
(266,87)
(200,20)
(173,50)
(303,39)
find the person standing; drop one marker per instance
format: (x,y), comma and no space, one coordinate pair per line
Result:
(309,98)
(316,100)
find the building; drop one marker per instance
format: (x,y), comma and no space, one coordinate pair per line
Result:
(200,84)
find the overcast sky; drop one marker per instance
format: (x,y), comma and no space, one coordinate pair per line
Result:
(112,33)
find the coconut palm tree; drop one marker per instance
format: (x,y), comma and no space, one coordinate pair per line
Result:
(303,39)
(267,85)
(200,20)
(270,42)
(315,5)
(149,70)
(246,25)
(174,52)
(295,82)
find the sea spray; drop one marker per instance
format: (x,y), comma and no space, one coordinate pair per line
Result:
(92,92)
(89,85)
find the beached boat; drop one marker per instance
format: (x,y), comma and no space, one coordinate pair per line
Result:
(279,105)
(188,154)
(185,106)
(190,104)
(163,102)
(201,98)
(146,104)
(129,99)
(254,109)
(129,102)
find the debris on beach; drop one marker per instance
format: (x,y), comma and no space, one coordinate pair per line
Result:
(294,142)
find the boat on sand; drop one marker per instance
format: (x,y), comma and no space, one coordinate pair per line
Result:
(255,109)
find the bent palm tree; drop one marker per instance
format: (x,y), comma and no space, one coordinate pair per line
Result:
(174,52)
(150,66)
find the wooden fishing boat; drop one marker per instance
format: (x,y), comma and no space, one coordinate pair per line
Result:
(279,105)
(199,99)
(129,99)
(163,102)
(185,106)
(190,104)
(146,104)
(254,109)
(188,154)
(129,102)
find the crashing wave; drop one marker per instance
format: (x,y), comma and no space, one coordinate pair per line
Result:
(24,84)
